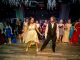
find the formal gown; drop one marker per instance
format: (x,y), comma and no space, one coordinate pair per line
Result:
(8,32)
(2,38)
(66,33)
(57,31)
(24,34)
(71,32)
(31,34)
(61,29)
(76,34)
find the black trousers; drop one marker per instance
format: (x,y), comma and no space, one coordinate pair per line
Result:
(47,41)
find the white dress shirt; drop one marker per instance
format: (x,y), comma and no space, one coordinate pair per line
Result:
(46,30)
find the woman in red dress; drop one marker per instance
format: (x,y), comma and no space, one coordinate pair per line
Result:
(76,33)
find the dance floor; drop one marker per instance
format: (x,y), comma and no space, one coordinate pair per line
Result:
(64,51)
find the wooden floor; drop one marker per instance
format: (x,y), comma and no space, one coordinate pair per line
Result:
(17,51)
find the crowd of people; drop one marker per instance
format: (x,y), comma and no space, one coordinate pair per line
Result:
(31,32)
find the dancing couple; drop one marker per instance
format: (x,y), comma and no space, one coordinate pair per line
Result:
(31,36)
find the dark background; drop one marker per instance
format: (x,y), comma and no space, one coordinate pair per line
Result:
(40,12)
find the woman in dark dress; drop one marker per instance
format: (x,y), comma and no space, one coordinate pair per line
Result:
(19,29)
(2,38)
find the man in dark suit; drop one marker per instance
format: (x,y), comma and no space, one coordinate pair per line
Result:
(50,34)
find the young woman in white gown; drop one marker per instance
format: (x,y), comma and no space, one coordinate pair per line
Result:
(31,36)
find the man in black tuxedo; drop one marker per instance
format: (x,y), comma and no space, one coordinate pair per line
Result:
(50,34)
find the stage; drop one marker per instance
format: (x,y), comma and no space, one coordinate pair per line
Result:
(64,51)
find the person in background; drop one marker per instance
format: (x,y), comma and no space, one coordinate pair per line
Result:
(43,29)
(2,38)
(25,21)
(14,28)
(76,33)
(25,27)
(8,33)
(71,32)
(38,26)
(61,30)
(57,32)
(67,28)
(1,27)
(41,23)
(19,29)
(44,25)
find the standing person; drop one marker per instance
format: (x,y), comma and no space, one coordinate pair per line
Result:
(25,21)
(8,33)
(50,33)
(19,28)
(25,26)
(43,29)
(76,33)
(32,36)
(71,32)
(44,26)
(61,30)
(13,25)
(1,26)
(38,26)
(67,28)
(57,31)
(2,38)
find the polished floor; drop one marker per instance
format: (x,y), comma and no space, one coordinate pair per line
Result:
(17,51)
